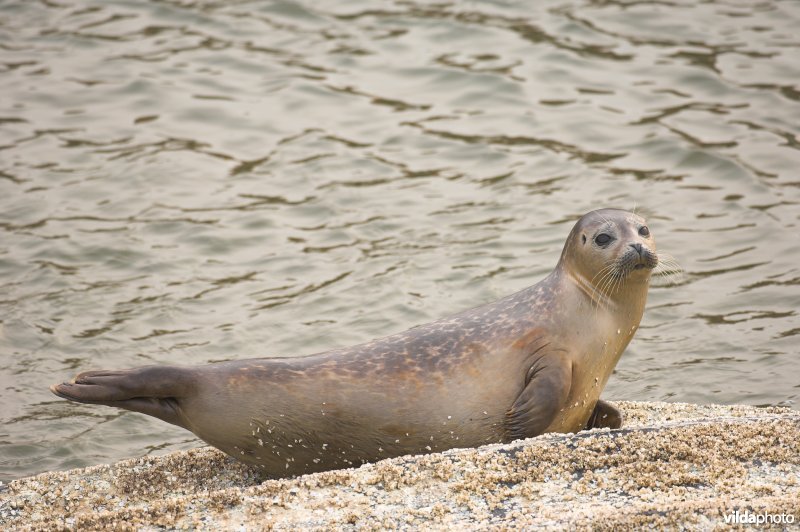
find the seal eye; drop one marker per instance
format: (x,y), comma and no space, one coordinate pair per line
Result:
(644,231)
(602,239)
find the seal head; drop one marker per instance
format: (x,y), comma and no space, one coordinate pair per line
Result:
(608,252)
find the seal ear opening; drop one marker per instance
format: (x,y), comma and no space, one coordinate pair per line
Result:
(583,239)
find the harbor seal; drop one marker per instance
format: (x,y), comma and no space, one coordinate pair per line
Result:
(533,362)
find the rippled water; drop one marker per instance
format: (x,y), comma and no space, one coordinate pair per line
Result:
(184,182)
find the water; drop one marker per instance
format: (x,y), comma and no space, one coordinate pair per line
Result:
(184,182)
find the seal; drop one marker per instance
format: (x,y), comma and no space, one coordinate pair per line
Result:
(533,362)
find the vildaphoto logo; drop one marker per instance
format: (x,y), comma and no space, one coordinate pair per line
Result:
(751,518)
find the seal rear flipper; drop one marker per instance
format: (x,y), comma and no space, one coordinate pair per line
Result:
(604,415)
(546,391)
(151,390)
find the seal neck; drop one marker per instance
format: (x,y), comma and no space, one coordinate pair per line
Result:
(596,296)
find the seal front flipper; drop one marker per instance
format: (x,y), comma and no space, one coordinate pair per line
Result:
(604,415)
(151,390)
(546,390)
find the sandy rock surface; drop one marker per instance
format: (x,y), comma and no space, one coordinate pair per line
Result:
(671,464)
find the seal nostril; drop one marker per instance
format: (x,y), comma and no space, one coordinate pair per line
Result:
(638,248)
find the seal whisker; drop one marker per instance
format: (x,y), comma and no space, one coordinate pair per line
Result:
(608,267)
(668,269)
(619,272)
(604,296)
(604,273)
(606,282)
(611,272)
(615,280)
(622,278)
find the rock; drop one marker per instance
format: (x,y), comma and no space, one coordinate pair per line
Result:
(670,465)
